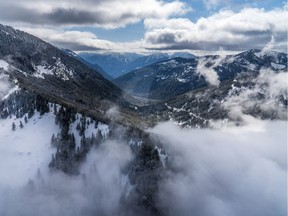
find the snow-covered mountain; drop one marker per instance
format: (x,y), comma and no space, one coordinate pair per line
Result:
(117,64)
(39,67)
(71,144)
(167,79)
(55,111)
(237,101)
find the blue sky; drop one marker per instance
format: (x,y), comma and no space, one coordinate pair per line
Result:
(152,25)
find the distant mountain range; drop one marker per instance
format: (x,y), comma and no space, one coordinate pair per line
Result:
(167,79)
(95,67)
(117,64)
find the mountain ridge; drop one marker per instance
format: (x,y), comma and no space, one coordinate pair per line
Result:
(117,64)
(166,79)
(44,69)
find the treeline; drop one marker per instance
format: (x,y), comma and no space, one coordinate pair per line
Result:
(21,103)
(69,156)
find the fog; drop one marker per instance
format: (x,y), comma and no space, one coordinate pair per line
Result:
(229,171)
(226,170)
(209,74)
(5,86)
(97,191)
(271,85)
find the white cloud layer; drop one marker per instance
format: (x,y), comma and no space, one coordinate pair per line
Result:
(232,171)
(98,13)
(268,90)
(250,27)
(166,29)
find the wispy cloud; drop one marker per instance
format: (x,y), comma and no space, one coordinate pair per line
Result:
(209,73)
(5,85)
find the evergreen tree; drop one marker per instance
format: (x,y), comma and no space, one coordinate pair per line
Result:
(13,126)
(21,125)
(31,113)
(55,109)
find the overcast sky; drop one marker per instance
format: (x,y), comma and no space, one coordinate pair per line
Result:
(152,25)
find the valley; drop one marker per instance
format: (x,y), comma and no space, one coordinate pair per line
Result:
(145,135)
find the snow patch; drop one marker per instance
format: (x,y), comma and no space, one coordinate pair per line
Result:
(277,66)
(172,61)
(91,129)
(182,80)
(163,157)
(11,91)
(41,70)
(4,65)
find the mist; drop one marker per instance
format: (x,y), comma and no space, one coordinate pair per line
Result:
(5,85)
(226,170)
(209,172)
(209,74)
(229,171)
(98,190)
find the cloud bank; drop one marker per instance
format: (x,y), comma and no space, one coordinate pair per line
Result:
(267,94)
(97,191)
(209,172)
(166,24)
(232,171)
(99,13)
(228,30)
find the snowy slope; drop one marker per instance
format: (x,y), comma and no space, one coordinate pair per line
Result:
(25,150)
(28,149)
(164,80)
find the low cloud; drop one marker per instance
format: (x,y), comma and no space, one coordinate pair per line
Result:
(267,94)
(5,85)
(98,190)
(230,171)
(209,73)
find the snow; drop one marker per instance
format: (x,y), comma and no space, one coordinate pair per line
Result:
(25,150)
(126,185)
(104,129)
(11,91)
(89,130)
(251,67)
(172,61)
(62,71)
(182,80)
(7,86)
(41,70)
(277,66)
(7,33)
(4,65)
(135,143)
(163,157)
